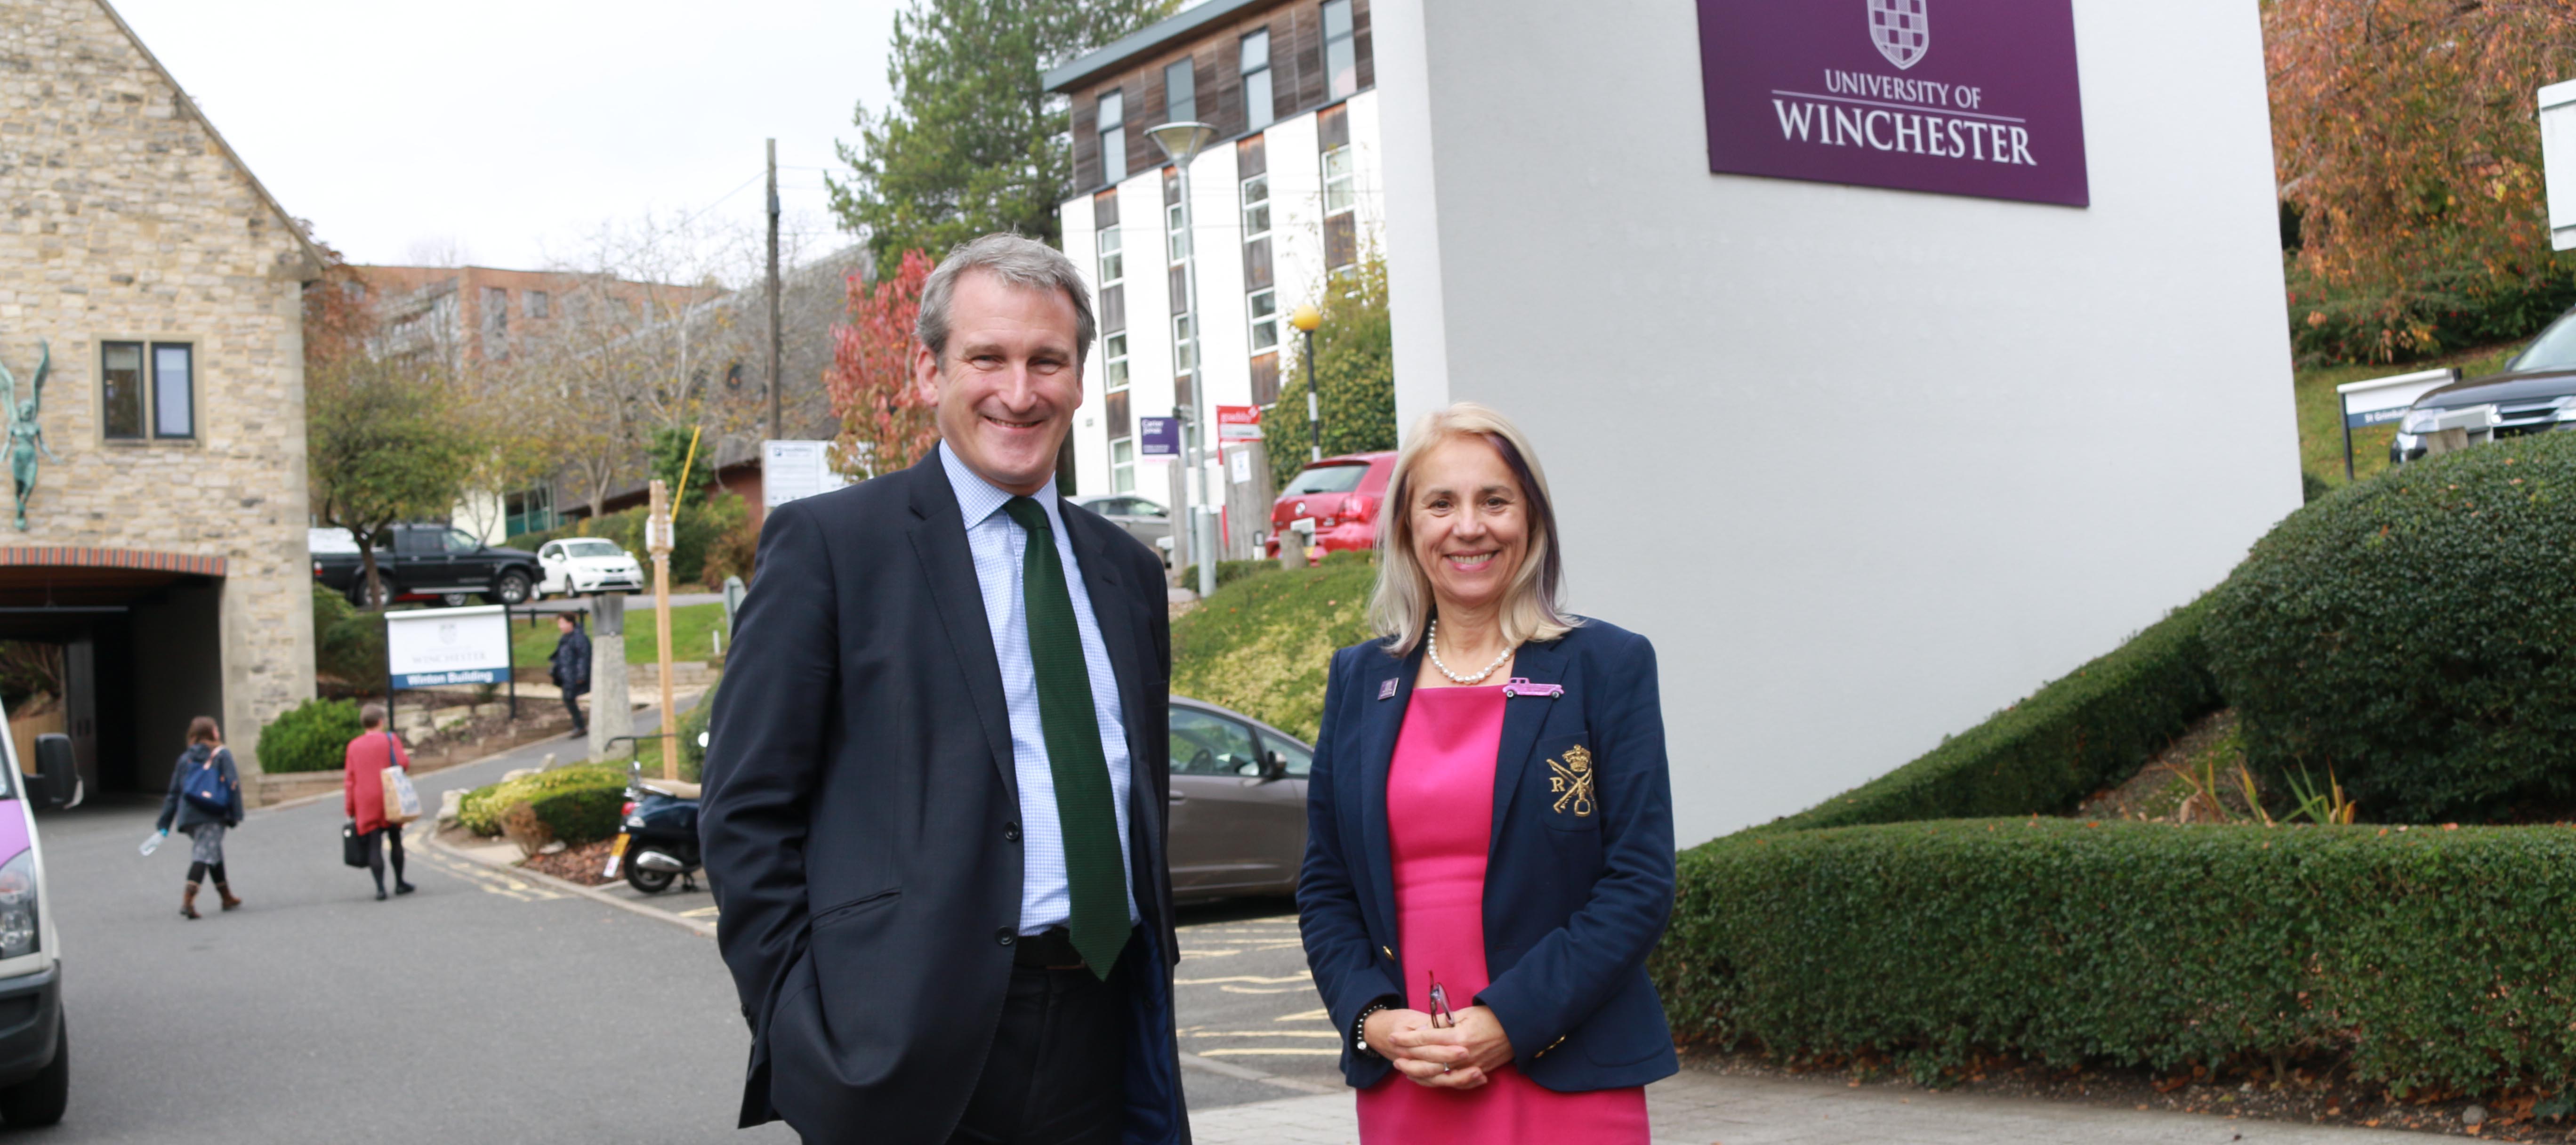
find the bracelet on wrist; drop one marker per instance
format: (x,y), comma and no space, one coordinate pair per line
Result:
(1359,1029)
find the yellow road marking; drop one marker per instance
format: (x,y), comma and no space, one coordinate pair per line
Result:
(1315,1015)
(701,912)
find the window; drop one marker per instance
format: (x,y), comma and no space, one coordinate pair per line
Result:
(1122,465)
(460,541)
(1184,351)
(1341,233)
(1257,112)
(1113,263)
(148,390)
(1113,137)
(1264,306)
(1338,196)
(539,306)
(1207,744)
(1180,92)
(1341,66)
(1299,760)
(1180,234)
(1326,479)
(1256,207)
(496,322)
(1113,361)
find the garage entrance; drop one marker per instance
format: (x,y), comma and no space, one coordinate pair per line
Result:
(140,642)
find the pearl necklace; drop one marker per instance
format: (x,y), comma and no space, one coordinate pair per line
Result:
(1455,678)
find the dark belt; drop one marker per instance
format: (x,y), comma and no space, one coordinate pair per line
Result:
(1052,950)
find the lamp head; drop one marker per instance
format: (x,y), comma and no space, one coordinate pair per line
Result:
(1182,142)
(1306,318)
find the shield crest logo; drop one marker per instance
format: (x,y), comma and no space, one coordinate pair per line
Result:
(1901,30)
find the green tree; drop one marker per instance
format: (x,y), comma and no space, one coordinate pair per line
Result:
(974,143)
(671,451)
(1354,374)
(383,444)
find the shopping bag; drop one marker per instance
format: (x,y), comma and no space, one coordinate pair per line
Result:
(353,846)
(204,789)
(402,800)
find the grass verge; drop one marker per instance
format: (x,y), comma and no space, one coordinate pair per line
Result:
(1262,644)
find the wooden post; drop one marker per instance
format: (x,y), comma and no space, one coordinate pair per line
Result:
(658,541)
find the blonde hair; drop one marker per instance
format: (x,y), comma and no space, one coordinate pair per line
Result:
(1533,607)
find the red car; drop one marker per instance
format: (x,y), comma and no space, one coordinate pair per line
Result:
(1342,494)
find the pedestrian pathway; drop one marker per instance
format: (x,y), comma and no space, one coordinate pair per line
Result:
(1699,1108)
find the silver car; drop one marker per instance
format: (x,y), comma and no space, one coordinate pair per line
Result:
(1238,810)
(1144,520)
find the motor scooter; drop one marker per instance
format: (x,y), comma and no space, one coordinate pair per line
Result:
(658,837)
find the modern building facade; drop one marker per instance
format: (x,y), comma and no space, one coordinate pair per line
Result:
(1866,463)
(1288,194)
(163,540)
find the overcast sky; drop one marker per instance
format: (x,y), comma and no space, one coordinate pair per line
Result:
(509,129)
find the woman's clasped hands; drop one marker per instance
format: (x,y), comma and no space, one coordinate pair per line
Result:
(1459,1056)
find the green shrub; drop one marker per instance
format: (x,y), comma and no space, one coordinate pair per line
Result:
(2411,632)
(2436,959)
(314,736)
(1227,572)
(348,643)
(693,758)
(481,809)
(580,815)
(1262,644)
(2079,734)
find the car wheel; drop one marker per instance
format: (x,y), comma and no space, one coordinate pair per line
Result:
(455,599)
(512,588)
(385,592)
(649,882)
(40,1100)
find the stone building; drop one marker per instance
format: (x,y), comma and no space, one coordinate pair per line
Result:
(163,542)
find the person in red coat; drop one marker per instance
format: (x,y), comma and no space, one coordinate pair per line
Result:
(362,785)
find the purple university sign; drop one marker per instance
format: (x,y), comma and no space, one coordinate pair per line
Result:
(1961,97)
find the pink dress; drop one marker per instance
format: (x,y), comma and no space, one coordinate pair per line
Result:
(1440,817)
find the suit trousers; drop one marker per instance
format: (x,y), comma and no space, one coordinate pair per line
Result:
(1057,1071)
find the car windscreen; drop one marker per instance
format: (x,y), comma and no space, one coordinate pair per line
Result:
(592,549)
(2555,349)
(1326,479)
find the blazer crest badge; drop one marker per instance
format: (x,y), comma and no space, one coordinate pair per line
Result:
(1571,782)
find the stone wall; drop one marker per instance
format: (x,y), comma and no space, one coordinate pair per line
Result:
(128,219)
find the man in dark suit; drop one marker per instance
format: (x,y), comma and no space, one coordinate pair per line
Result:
(933,813)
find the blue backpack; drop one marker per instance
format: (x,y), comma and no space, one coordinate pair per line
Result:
(205,790)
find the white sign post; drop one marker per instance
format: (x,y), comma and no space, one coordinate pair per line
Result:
(790,470)
(2558,160)
(2384,400)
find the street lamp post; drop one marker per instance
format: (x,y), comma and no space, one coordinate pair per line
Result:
(1305,320)
(1181,142)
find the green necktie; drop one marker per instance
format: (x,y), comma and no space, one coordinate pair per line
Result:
(1084,808)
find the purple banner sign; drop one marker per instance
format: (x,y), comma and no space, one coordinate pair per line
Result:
(1159,436)
(1960,97)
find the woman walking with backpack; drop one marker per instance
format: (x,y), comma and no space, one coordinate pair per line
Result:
(205,800)
(362,785)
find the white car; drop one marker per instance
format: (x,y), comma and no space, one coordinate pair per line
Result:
(579,566)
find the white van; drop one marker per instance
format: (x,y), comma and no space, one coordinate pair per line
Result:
(35,1053)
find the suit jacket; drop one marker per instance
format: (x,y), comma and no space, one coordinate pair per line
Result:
(861,814)
(1575,895)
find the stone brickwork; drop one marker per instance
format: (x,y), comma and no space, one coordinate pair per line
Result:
(129,219)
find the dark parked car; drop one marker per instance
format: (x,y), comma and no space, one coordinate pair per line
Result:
(1238,813)
(433,562)
(2534,393)
(1342,494)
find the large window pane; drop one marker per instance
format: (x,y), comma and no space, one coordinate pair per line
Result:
(1180,93)
(1256,207)
(121,399)
(1113,265)
(174,406)
(1204,744)
(1113,137)
(1337,181)
(1341,66)
(1257,112)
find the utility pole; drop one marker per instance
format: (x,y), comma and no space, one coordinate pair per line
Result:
(776,338)
(657,541)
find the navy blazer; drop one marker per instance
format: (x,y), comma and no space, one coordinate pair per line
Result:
(1575,897)
(861,815)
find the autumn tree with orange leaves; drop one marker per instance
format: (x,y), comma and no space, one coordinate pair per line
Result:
(887,419)
(2408,151)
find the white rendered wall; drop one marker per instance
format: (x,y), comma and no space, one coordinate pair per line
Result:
(1866,465)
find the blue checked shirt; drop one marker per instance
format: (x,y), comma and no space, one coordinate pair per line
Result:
(999,546)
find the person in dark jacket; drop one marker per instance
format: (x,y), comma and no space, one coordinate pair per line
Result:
(204,826)
(571,668)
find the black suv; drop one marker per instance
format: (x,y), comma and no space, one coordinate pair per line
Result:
(433,562)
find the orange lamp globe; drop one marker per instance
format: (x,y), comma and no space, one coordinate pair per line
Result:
(1306,318)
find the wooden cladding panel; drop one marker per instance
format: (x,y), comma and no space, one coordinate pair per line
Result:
(1265,378)
(1256,264)
(1180,289)
(1118,420)
(1360,44)
(1341,241)
(1113,308)
(1333,127)
(1251,158)
(1104,207)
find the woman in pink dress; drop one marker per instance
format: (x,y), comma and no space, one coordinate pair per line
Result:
(1489,823)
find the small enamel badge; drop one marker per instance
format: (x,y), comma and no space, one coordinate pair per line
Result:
(1386,691)
(1520,686)
(1571,782)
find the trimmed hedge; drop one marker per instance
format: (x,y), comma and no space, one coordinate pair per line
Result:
(481,809)
(2439,960)
(580,815)
(348,644)
(2412,633)
(312,736)
(2079,734)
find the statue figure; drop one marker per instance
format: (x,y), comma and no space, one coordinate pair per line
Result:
(26,438)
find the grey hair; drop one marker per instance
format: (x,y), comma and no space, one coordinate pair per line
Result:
(1401,608)
(1019,261)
